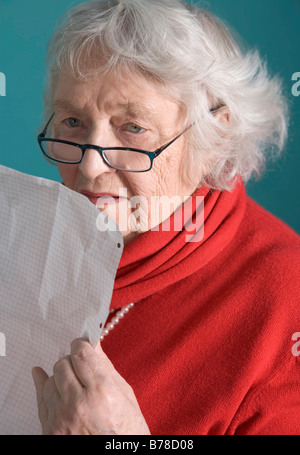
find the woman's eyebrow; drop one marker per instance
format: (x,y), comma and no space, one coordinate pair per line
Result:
(64,104)
(137,110)
(134,110)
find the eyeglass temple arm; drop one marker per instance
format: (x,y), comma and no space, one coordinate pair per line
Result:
(43,133)
(161,149)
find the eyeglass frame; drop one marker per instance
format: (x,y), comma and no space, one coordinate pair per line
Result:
(152,155)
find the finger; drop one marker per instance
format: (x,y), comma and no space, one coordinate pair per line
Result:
(90,365)
(67,383)
(98,348)
(103,359)
(99,351)
(40,378)
(50,394)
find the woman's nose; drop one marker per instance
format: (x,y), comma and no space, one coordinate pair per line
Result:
(92,164)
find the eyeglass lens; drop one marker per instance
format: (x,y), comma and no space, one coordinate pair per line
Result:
(119,159)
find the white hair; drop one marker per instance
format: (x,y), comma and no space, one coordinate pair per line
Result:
(194,57)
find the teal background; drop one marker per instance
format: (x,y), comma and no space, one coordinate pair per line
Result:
(271,26)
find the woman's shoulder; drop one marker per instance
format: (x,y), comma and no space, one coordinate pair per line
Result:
(268,234)
(268,250)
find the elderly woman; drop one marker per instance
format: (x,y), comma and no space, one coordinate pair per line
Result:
(156,116)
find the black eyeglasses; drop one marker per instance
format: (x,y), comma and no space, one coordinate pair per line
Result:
(120,158)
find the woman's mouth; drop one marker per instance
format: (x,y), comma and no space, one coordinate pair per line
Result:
(100,199)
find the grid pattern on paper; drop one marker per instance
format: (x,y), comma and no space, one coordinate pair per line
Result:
(57,273)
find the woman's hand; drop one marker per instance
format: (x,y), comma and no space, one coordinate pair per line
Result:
(86,395)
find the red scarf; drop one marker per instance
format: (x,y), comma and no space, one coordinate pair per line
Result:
(159,258)
(207,348)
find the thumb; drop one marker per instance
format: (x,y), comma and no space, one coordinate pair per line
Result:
(40,378)
(101,354)
(98,348)
(102,357)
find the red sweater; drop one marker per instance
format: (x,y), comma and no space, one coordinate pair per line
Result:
(208,347)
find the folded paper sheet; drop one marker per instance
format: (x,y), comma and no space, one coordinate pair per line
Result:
(57,271)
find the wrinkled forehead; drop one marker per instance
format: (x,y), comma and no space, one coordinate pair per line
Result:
(126,89)
(99,63)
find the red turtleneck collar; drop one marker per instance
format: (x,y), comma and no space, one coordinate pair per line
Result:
(161,257)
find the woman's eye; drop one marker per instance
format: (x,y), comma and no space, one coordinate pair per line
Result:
(132,128)
(73,122)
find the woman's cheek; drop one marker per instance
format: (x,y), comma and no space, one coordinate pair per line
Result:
(68,174)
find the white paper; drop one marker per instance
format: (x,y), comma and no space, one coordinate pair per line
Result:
(57,272)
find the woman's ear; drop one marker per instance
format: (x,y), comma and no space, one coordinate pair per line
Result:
(222,115)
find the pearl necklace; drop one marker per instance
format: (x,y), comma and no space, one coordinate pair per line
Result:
(115,320)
